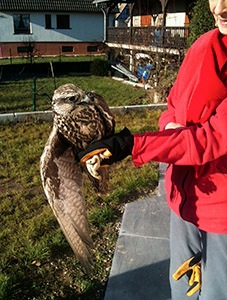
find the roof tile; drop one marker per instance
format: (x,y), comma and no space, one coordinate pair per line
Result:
(49,5)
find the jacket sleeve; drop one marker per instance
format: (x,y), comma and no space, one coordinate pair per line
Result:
(193,145)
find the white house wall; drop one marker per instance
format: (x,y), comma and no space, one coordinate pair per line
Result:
(176,19)
(84,27)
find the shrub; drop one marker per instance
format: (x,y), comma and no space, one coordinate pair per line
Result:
(201,21)
(99,67)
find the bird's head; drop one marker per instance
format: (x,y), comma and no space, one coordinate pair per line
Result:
(66,97)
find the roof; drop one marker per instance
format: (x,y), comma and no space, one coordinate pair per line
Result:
(49,5)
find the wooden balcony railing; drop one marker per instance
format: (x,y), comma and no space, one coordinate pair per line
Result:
(167,37)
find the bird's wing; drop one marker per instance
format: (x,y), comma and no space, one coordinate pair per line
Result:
(62,181)
(106,115)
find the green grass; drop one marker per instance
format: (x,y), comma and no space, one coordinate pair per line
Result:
(36,262)
(37,60)
(17,95)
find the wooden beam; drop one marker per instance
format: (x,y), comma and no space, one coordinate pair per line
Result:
(164,4)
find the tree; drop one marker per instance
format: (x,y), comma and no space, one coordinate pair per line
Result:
(201,20)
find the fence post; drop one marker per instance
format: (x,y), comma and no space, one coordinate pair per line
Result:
(34,94)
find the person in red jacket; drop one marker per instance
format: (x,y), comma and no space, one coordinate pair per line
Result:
(193,141)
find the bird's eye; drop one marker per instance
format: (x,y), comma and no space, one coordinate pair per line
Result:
(72,98)
(90,94)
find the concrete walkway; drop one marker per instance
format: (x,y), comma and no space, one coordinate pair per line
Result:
(141,259)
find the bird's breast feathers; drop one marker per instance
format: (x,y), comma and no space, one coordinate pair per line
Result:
(82,126)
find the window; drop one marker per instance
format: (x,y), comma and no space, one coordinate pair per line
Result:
(92,48)
(48,24)
(67,48)
(63,22)
(25,49)
(21,24)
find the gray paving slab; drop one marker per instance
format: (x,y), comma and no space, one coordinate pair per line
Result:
(141,259)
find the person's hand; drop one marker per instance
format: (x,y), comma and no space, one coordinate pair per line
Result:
(172,125)
(106,151)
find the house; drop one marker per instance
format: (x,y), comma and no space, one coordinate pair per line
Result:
(50,27)
(145,24)
(146,31)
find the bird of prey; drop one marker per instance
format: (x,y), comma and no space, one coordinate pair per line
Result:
(79,119)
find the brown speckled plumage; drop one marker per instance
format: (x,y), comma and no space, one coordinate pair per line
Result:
(79,119)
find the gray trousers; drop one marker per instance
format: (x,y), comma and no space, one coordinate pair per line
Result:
(185,241)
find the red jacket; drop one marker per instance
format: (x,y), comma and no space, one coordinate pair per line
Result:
(196,178)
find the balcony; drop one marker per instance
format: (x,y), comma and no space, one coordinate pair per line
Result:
(148,37)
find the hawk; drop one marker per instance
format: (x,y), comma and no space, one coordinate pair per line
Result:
(79,119)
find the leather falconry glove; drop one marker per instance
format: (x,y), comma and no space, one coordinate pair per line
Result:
(192,268)
(106,151)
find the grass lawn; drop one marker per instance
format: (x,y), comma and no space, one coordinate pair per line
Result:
(36,262)
(62,58)
(18,95)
